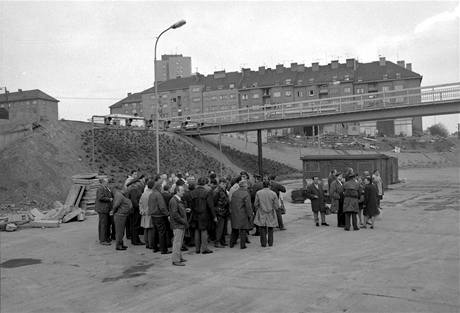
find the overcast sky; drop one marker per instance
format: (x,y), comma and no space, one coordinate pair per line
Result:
(90,54)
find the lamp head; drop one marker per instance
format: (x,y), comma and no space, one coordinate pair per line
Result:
(178,24)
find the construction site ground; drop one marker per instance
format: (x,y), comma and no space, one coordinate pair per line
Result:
(408,263)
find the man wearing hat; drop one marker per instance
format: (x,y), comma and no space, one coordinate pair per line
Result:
(316,194)
(351,196)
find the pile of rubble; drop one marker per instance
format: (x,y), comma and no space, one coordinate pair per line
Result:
(79,203)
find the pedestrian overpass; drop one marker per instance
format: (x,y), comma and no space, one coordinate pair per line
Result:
(421,101)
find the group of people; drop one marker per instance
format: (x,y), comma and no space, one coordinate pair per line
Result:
(352,197)
(182,212)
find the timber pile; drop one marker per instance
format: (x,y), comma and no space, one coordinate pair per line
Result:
(83,191)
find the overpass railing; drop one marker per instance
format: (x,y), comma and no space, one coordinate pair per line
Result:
(353,103)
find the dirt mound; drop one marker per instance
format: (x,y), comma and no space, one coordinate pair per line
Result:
(39,167)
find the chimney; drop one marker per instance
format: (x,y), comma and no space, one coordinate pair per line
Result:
(129,94)
(334,64)
(245,71)
(279,68)
(219,74)
(315,67)
(19,90)
(261,70)
(350,63)
(293,67)
(409,66)
(401,63)
(301,67)
(382,61)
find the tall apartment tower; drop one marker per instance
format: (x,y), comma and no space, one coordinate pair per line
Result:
(173,66)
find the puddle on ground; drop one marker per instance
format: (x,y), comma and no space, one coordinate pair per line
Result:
(133,271)
(19,262)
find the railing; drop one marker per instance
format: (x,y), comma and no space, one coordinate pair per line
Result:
(325,106)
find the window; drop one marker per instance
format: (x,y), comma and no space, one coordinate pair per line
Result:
(220,87)
(386,88)
(231,86)
(164,96)
(311,92)
(254,84)
(359,90)
(232,96)
(196,89)
(347,90)
(277,94)
(288,81)
(213,98)
(34,102)
(398,75)
(347,77)
(299,93)
(196,99)
(255,96)
(288,93)
(126,105)
(299,82)
(244,96)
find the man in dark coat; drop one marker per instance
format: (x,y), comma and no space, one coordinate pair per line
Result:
(370,205)
(202,214)
(121,208)
(316,194)
(167,196)
(277,188)
(336,194)
(258,185)
(135,190)
(159,211)
(241,214)
(221,205)
(103,205)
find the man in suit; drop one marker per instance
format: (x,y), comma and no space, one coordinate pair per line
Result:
(336,194)
(241,214)
(277,188)
(316,194)
(103,205)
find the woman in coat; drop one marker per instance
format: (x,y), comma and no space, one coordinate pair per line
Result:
(266,203)
(351,200)
(370,202)
(241,214)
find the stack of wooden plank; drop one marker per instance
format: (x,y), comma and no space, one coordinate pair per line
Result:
(83,191)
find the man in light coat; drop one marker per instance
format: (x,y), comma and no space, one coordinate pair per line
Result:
(178,219)
(266,203)
(103,206)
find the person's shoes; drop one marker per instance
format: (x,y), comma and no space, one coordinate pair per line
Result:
(231,245)
(155,250)
(224,244)
(347,229)
(325,224)
(218,245)
(126,247)
(138,243)
(372,227)
(207,251)
(243,247)
(184,248)
(355,228)
(270,245)
(178,263)
(317,224)
(263,246)
(167,252)
(105,243)
(183,260)
(364,226)
(283,228)
(121,248)
(197,251)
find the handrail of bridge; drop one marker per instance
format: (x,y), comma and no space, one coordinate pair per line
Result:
(344,104)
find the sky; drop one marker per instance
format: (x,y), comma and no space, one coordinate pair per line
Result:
(89,55)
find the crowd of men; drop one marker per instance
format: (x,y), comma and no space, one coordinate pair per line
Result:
(182,212)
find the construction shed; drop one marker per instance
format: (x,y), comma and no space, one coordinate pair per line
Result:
(322,165)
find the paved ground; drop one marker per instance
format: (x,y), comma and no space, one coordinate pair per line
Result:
(409,263)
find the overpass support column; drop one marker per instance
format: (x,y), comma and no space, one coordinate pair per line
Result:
(259,152)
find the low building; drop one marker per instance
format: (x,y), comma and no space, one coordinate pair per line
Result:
(28,106)
(131,105)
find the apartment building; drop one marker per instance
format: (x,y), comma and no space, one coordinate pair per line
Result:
(173,66)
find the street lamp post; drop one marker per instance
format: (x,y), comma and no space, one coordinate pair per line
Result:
(157,128)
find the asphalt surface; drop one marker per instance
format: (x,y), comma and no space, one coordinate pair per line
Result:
(408,263)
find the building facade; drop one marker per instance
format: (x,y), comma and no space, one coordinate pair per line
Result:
(173,66)
(28,106)
(253,90)
(131,105)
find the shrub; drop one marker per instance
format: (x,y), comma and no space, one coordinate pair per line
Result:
(438,130)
